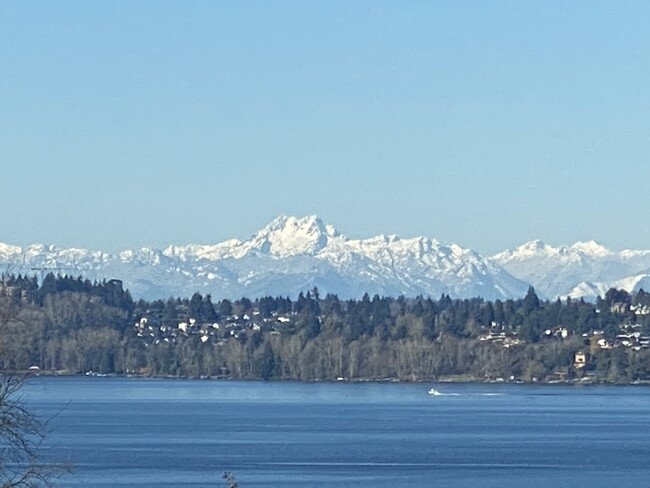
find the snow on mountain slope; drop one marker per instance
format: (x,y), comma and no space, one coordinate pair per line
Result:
(590,291)
(305,252)
(8,251)
(283,237)
(287,256)
(579,270)
(293,254)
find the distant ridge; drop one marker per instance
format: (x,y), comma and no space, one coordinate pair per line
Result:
(582,270)
(293,254)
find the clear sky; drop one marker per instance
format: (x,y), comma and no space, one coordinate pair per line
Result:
(485,123)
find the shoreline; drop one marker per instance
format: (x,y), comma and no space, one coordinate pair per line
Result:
(584,381)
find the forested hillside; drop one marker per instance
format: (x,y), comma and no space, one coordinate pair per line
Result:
(70,325)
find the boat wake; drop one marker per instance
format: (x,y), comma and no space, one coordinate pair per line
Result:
(434,392)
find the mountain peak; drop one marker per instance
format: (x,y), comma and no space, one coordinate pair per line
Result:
(590,248)
(532,247)
(287,235)
(8,249)
(309,223)
(527,250)
(537,249)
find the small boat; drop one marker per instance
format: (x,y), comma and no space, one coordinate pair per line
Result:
(434,392)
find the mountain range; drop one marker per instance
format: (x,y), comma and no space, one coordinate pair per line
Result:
(293,254)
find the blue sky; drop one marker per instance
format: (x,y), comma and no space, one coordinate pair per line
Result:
(485,123)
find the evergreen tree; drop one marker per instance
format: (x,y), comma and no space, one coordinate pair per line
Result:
(225,308)
(207,311)
(195,307)
(531,301)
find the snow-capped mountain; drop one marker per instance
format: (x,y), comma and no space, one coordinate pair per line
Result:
(590,291)
(584,269)
(287,256)
(293,254)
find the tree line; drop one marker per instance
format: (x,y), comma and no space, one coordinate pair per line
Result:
(72,325)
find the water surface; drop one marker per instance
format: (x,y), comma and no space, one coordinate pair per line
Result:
(122,432)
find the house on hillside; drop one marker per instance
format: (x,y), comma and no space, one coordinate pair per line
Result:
(579,360)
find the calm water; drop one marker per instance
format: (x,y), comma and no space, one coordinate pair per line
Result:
(151,433)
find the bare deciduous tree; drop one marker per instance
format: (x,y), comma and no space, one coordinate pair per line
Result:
(21,437)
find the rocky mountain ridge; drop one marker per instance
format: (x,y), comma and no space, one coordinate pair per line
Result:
(582,270)
(293,254)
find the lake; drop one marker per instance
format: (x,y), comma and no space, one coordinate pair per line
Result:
(128,432)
